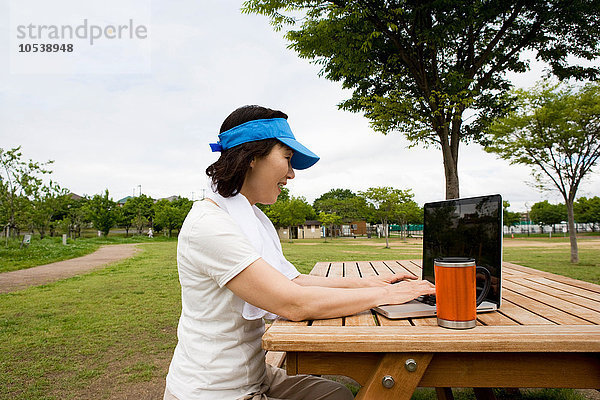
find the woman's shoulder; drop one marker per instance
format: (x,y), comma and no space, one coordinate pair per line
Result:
(206,209)
(206,216)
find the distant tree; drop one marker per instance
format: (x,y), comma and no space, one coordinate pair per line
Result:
(329,220)
(123,219)
(587,211)
(101,211)
(19,179)
(139,210)
(344,203)
(290,212)
(170,215)
(387,204)
(76,214)
(408,212)
(544,213)
(167,215)
(47,207)
(509,218)
(555,129)
(417,66)
(184,205)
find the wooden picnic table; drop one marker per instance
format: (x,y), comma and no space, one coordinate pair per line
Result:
(546,334)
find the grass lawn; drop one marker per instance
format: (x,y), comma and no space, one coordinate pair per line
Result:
(110,334)
(95,336)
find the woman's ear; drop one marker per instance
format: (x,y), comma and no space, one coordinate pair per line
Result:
(252,162)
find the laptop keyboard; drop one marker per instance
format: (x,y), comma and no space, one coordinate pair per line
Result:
(427,299)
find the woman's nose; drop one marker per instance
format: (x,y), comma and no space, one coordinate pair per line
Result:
(291,174)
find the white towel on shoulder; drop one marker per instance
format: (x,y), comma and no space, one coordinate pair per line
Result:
(262,235)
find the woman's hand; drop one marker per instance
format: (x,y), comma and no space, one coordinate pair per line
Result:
(407,290)
(384,280)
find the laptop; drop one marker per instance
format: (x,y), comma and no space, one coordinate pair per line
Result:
(468,227)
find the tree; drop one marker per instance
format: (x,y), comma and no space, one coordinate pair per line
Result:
(587,211)
(102,212)
(509,218)
(170,215)
(544,213)
(19,180)
(47,207)
(344,203)
(409,212)
(387,204)
(76,215)
(555,130)
(329,220)
(417,66)
(139,210)
(288,212)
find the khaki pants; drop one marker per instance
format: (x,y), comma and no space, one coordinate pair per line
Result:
(279,386)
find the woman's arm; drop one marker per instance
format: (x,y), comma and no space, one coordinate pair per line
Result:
(351,282)
(265,287)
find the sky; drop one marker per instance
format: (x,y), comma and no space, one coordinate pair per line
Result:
(138,114)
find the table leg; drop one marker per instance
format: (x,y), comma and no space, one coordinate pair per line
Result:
(444,393)
(484,394)
(403,382)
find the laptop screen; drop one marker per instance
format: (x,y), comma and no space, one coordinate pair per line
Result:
(469,227)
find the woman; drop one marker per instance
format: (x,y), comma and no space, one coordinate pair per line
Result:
(233,273)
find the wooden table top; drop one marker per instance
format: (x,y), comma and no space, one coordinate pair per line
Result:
(541,312)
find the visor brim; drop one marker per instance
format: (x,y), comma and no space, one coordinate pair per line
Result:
(303,158)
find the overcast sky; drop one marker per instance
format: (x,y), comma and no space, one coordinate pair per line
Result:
(201,60)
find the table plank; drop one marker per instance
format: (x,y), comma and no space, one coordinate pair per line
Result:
(320,269)
(567,301)
(521,315)
(558,278)
(554,309)
(584,293)
(549,338)
(365,318)
(336,270)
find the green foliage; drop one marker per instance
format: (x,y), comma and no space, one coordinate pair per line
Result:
(167,216)
(389,204)
(587,210)
(20,182)
(290,211)
(344,203)
(509,218)
(102,212)
(137,211)
(544,213)
(415,67)
(329,219)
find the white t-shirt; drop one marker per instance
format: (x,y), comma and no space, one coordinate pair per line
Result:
(219,353)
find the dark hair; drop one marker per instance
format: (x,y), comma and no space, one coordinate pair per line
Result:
(229,171)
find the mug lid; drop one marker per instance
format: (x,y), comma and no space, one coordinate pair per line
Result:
(454,261)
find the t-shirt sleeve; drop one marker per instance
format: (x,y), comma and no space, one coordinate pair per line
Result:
(216,247)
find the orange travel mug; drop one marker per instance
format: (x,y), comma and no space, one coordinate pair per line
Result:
(456,293)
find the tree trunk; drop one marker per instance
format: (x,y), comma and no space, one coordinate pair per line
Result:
(572,233)
(385,227)
(451,173)
(450,157)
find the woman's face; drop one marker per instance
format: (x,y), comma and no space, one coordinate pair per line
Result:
(267,175)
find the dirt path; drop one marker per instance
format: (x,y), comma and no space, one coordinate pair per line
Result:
(16,280)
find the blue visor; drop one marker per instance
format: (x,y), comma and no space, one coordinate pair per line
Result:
(260,129)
